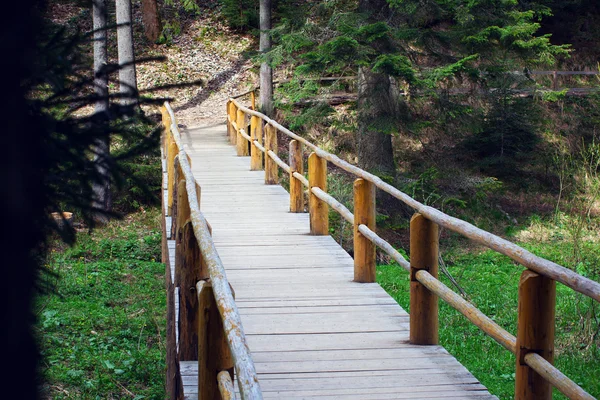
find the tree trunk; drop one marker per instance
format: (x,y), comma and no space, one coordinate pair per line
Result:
(266,73)
(151,18)
(127,79)
(101,187)
(378,111)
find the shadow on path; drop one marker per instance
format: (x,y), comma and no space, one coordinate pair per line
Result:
(215,83)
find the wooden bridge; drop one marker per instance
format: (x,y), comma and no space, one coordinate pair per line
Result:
(308,320)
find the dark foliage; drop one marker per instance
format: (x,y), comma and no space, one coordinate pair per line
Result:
(48,166)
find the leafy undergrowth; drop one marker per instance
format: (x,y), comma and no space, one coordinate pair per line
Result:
(491,281)
(102,329)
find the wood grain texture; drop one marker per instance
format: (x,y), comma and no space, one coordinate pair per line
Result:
(296,187)
(535,333)
(423,303)
(271,173)
(313,331)
(256,133)
(317,208)
(241,143)
(364,214)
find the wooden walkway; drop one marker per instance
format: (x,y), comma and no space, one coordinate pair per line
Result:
(313,333)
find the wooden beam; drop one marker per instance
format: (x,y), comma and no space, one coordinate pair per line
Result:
(318,209)
(241,143)
(364,214)
(213,353)
(423,303)
(232,118)
(296,187)
(256,156)
(535,333)
(271,173)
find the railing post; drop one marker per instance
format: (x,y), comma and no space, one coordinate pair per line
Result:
(364,214)
(296,188)
(187,273)
(241,144)
(213,353)
(423,303)
(171,153)
(318,209)
(256,133)
(535,333)
(233,118)
(271,175)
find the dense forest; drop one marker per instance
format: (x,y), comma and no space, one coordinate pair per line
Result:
(486,109)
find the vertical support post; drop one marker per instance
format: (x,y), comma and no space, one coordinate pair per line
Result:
(296,188)
(171,153)
(256,156)
(187,273)
(271,175)
(213,353)
(423,304)
(241,143)
(233,118)
(535,333)
(318,209)
(364,214)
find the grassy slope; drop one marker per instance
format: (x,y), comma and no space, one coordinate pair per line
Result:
(102,330)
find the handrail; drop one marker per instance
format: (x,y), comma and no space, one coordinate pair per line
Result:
(425,253)
(546,267)
(232,323)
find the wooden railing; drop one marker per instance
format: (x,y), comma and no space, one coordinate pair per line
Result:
(210,328)
(534,343)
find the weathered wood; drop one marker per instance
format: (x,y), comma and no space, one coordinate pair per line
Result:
(423,303)
(256,156)
(213,352)
(318,209)
(271,173)
(527,259)
(253,100)
(559,380)
(177,179)
(296,187)
(232,120)
(333,203)
(226,385)
(245,370)
(482,321)
(188,265)
(364,214)
(535,333)
(171,153)
(241,143)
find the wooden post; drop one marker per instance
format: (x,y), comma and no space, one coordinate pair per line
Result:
(213,353)
(296,187)
(318,209)
(187,273)
(271,173)
(535,333)
(233,117)
(423,303)
(256,156)
(241,143)
(364,214)
(171,153)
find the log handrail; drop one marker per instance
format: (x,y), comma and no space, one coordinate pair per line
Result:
(223,296)
(422,280)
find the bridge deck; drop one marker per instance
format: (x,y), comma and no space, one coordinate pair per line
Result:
(313,332)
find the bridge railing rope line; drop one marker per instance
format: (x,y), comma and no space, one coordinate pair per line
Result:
(534,343)
(214,334)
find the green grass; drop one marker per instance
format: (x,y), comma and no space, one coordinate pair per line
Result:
(102,329)
(491,282)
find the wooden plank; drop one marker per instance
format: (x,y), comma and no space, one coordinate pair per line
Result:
(312,331)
